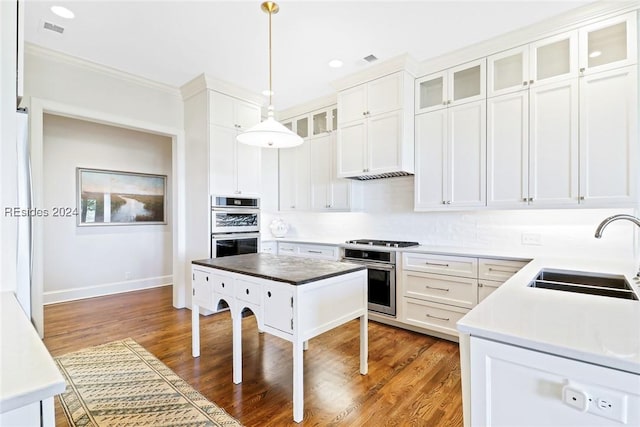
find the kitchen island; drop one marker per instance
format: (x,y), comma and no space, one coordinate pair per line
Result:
(545,357)
(292,298)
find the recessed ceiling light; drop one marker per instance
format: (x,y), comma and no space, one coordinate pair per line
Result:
(63,12)
(335,63)
(595,54)
(267,92)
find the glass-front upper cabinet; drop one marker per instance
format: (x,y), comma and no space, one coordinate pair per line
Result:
(457,85)
(609,44)
(302,126)
(508,71)
(320,122)
(554,58)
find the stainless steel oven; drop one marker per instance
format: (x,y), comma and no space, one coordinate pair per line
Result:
(227,244)
(235,215)
(381,277)
(235,226)
(381,270)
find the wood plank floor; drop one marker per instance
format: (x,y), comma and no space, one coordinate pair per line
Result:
(413,379)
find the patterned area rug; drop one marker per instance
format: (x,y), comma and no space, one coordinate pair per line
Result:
(122,384)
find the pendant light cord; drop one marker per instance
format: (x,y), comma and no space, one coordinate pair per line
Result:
(270,112)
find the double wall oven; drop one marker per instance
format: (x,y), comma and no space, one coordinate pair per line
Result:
(235,226)
(379,256)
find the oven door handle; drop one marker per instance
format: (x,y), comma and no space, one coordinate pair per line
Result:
(234,236)
(379,266)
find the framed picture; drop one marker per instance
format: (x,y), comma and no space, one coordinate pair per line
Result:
(120,198)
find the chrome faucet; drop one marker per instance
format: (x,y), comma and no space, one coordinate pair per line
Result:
(610,219)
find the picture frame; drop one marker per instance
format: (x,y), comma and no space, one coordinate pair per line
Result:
(110,198)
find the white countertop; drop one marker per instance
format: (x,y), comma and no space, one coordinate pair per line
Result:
(595,329)
(27,371)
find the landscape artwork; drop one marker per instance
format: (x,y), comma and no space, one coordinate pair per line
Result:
(120,198)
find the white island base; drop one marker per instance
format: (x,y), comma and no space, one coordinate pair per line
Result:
(294,312)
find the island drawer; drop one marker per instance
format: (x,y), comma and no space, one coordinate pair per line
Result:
(248,291)
(441,264)
(498,269)
(433,316)
(202,288)
(458,291)
(222,284)
(286,248)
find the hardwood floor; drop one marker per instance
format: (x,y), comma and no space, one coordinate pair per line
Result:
(413,379)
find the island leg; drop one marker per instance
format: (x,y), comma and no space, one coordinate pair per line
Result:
(195,330)
(364,345)
(298,383)
(236,322)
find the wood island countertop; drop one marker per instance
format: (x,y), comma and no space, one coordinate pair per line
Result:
(281,268)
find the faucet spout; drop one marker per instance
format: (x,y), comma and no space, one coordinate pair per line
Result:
(610,219)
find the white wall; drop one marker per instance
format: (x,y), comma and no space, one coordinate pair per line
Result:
(388,214)
(87,261)
(7,136)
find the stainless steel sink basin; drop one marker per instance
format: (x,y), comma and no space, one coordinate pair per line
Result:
(584,283)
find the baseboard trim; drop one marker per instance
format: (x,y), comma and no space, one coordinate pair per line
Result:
(54,297)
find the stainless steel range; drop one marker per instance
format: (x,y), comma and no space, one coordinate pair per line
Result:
(381,270)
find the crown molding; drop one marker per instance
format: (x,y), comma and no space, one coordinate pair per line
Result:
(567,21)
(403,62)
(32,49)
(205,81)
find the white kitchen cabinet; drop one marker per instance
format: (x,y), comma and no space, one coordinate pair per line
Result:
(451,143)
(516,386)
(508,150)
(609,137)
(375,122)
(309,250)
(431,316)
(494,272)
(202,289)
(294,178)
(508,71)
(609,44)
(553,59)
(328,193)
(454,86)
(235,167)
(278,307)
(553,144)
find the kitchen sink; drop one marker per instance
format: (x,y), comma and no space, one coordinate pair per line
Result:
(584,283)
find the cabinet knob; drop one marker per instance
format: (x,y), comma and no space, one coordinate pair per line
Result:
(444,202)
(524,199)
(530,82)
(525,83)
(269,294)
(206,278)
(582,70)
(293,207)
(530,199)
(222,284)
(444,102)
(480,285)
(448,102)
(247,291)
(448,202)
(364,113)
(581,197)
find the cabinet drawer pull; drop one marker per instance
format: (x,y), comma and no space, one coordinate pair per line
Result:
(314,252)
(501,270)
(206,278)
(446,319)
(480,285)
(437,289)
(436,264)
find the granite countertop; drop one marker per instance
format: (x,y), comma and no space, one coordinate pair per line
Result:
(29,373)
(281,268)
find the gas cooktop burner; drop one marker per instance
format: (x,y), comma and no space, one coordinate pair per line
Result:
(387,243)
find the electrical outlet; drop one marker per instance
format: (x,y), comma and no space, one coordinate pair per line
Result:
(608,404)
(532,239)
(575,397)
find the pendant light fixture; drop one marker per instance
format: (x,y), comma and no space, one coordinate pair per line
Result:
(270,133)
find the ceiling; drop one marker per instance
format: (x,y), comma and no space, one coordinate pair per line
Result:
(172,42)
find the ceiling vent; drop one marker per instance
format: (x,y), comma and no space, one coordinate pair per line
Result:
(53,27)
(370,58)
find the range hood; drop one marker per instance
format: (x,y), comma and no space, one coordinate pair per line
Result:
(381,175)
